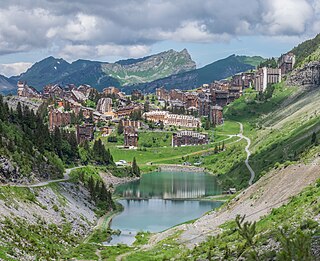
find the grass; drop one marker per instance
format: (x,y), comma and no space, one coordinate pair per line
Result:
(270,146)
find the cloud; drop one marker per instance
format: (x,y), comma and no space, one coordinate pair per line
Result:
(106,50)
(129,28)
(13,68)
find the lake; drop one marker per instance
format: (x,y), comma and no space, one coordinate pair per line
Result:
(161,200)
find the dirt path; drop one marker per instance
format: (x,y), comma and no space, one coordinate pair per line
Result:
(45,183)
(271,191)
(252,173)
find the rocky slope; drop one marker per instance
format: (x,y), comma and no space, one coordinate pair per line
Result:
(43,222)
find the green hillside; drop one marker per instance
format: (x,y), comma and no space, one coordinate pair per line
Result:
(217,70)
(227,67)
(307,51)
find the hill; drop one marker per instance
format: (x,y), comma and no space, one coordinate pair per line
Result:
(217,70)
(102,74)
(307,51)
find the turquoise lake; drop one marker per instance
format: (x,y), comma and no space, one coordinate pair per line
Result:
(161,200)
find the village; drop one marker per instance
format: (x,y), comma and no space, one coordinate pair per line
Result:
(186,113)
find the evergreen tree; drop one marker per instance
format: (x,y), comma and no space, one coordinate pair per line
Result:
(19,112)
(91,187)
(120,128)
(135,168)
(57,141)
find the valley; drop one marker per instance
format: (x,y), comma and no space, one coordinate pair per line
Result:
(224,168)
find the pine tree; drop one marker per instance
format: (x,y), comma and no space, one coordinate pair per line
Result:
(19,112)
(57,141)
(120,128)
(91,187)
(135,168)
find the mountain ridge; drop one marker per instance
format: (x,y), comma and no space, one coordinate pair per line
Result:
(101,74)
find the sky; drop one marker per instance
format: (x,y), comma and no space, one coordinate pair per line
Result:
(108,30)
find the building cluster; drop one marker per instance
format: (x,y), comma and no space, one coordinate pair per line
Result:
(27,91)
(70,103)
(182,108)
(169,119)
(186,138)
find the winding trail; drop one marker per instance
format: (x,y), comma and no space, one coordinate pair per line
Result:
(66,177)
(252,173)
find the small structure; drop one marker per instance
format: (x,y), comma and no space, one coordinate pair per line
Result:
(58,118)
(130,137)
(78,96)
(162,94)
(137,95)
(104,105)
(134,124)
(26,91)
(52,91)
(106,131)
(111,90)
(84,132)
(185,138)
(287,62)
(216,115)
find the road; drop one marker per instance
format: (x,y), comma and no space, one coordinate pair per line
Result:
(66,177)
(252,173)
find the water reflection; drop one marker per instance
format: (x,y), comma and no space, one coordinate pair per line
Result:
(161,200)
(169,185)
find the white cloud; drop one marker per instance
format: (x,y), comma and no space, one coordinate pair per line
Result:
(287,17)
(100,51)
(193,31)
(128,28)
(12,69)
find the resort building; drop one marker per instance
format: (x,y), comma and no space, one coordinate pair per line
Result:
(189,138)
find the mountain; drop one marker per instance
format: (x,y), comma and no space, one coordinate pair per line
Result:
(218,70)
(6,85)
(102,74)
(150,68)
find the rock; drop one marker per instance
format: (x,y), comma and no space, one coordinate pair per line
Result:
(308,75)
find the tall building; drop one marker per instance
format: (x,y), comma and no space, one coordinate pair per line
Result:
(216,115)
(130,137)
(265,76)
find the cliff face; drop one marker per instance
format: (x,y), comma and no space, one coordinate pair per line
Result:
(307,75)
